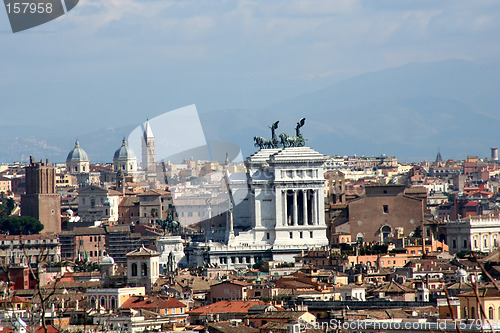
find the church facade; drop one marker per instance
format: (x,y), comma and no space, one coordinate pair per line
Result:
(281,215)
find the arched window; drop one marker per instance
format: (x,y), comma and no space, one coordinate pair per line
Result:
(103,301)
(490,312)
(134,269)
(92,202)
(386,232)
(92,302)
(113,302)
(144,269)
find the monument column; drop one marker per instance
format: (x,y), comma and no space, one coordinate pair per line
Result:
(304,206)
(314,208)
(284,210)
(295,208)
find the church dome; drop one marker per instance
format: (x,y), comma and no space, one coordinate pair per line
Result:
(107,260)
(77,154)
(461,272)
(124,151)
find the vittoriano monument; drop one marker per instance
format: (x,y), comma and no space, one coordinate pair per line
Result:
(285,140)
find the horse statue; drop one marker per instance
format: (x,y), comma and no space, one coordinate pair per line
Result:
(259,142)
(294,141)
(268,143)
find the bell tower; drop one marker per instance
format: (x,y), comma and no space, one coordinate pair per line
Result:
(148,150)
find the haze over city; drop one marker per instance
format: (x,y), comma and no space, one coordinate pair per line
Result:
(107,66)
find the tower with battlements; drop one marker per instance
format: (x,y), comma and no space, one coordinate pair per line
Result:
(41,200)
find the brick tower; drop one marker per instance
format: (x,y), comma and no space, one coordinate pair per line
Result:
(41,200)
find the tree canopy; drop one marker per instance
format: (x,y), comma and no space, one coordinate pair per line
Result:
(14,225)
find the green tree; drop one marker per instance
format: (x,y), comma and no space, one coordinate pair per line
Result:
(14,225)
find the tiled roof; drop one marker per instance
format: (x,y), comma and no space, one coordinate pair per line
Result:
(228,327)
(290,315)
(14,237)
(393,287)
(129,202)
(147,302)
(16,299)
(85,231)
(118,228)
(236,282)
(226,307)
(483,292)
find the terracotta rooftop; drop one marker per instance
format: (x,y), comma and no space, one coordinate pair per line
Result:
(236,282)
(226,307)
(392,287)
(149,302)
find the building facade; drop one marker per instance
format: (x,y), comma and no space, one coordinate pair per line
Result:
(281,215)
(474,233)
(98,204)
(386,211)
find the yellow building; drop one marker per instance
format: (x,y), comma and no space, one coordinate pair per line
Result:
(489,301)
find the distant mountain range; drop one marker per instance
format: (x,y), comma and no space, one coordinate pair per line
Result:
(409,112)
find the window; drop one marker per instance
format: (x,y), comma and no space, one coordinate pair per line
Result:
(465,243)
(310,234)
(490,312)
(301,235)
(454,244)
(93,303)
(103,301)
(291,235)
(113,303)
(134,269)
(144,269)
(267,235)
(386,209)
(174,311)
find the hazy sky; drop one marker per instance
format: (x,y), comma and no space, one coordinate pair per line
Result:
(116,62)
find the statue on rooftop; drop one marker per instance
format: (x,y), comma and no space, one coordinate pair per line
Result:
(268,143)
(285,140)
(294,141)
